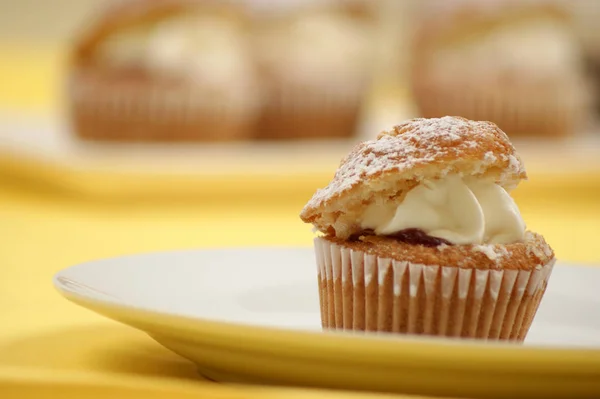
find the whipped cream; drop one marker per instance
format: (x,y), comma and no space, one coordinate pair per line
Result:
(203,47)
(539,46)
(199,46)
(125,48)
(320,48)
(462,211)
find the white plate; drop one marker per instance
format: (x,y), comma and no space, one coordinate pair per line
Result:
(252,315)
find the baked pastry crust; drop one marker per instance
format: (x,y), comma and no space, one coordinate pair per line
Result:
(532,252)
(399,159)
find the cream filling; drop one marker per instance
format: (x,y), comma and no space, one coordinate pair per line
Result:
(202,47)
(462,211)
(539,47)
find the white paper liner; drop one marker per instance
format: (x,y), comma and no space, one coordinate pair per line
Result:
(293,98)
(517,110)
(293,110)
(157,104)
(359,291)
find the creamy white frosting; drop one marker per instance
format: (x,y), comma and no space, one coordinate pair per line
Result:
(203,47)
(127,47)
(537,46)
(462,211)
(318,47)
(194,45)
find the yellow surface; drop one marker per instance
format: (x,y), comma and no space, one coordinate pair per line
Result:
(43,334)
(33,384)
(43,230)
(30,75)
(327,360)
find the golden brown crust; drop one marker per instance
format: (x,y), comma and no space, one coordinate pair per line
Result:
(526,255)
(416,150)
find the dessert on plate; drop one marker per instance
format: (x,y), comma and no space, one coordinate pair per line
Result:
(164,70)
(418,234)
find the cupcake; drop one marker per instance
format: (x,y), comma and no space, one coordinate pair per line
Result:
(419,235)
(585,16)
(517,64)
(165,70)
(314,63)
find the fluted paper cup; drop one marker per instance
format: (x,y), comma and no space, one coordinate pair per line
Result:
(110,108)
(520,110)
(363,292)
(295,111)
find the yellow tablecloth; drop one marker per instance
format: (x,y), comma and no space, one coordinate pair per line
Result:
(41,234)
(43,231)
(43,334)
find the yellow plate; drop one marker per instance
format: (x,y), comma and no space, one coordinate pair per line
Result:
(251,315)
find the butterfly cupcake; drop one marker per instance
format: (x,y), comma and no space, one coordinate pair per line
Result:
(418,234)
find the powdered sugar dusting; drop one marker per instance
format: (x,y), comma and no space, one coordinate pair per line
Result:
(493,252)
(440,142)
(541,251)
(489,157)
(514,163)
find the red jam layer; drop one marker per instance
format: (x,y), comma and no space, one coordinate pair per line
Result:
(409,236)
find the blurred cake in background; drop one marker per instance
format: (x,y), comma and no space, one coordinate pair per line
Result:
(314,59)
(164,70)
(586,15)
(515,63)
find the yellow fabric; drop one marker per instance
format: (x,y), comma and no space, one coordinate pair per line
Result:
(30,75)
(36,383)
(43,230)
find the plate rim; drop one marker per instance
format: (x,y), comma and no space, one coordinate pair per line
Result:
(374,349)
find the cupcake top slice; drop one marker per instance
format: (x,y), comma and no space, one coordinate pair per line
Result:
(177,39)
(319,47)
(448,178)
(496,38)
